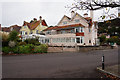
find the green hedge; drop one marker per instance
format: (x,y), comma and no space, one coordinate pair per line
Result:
(41,49)
(26,49)
(6,50)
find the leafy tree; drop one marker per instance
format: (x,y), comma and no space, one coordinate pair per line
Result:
(110,27)
(4,39)
(13,36)
(114,39)
(102,39)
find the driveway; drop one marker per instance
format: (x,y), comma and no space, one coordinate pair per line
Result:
(57,65)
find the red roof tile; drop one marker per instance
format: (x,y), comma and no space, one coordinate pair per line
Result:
(16,27)
(62,27)
(34,24)
(6,29)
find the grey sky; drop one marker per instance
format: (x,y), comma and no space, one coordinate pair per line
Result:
(17,11)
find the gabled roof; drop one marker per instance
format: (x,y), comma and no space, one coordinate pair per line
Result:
(34,24)
(79,16)
(64,17)
(63,27)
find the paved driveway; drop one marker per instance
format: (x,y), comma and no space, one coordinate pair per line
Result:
(57,65)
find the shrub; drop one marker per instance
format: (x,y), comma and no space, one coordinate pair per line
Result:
(12,44)
(24,49)
(6,50)
(41,49)
(28,48)
(22,43)
(33,41)
(15,50)
(114,39)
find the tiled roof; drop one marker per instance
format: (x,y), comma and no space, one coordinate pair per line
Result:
(63,27)
(34,24)
(25,23)
(6,29)
(16,27)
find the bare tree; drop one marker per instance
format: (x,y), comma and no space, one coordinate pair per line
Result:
(94,4)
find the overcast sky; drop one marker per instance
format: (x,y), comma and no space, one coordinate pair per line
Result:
(16,11)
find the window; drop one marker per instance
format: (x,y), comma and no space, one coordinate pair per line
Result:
(73,39)
(77,20)
(31,32)
(72,31)
(89,41)
(81,30)
(78,40)
(89,30)
(22,32)
(47,40)
(65,22)
(11,28)
(48,32)
(62,32)
(36,31)
(81,39)
(77,30)
(25,33)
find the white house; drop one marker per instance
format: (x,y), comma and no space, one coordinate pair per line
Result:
(77,30)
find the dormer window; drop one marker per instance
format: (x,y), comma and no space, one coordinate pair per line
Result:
(65,22)
(48,32)
(77,20)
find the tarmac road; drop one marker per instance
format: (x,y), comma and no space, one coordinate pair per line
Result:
(57,65)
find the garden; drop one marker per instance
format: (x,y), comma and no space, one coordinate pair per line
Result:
(12,44)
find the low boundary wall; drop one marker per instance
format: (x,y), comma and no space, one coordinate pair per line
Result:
(76,49)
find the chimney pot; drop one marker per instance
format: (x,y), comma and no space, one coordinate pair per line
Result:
(72,13)
(34,19)
(85,15)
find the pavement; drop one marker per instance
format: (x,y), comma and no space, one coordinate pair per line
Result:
(110,70)
(57,65)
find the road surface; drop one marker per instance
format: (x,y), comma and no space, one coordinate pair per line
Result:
(57,65)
